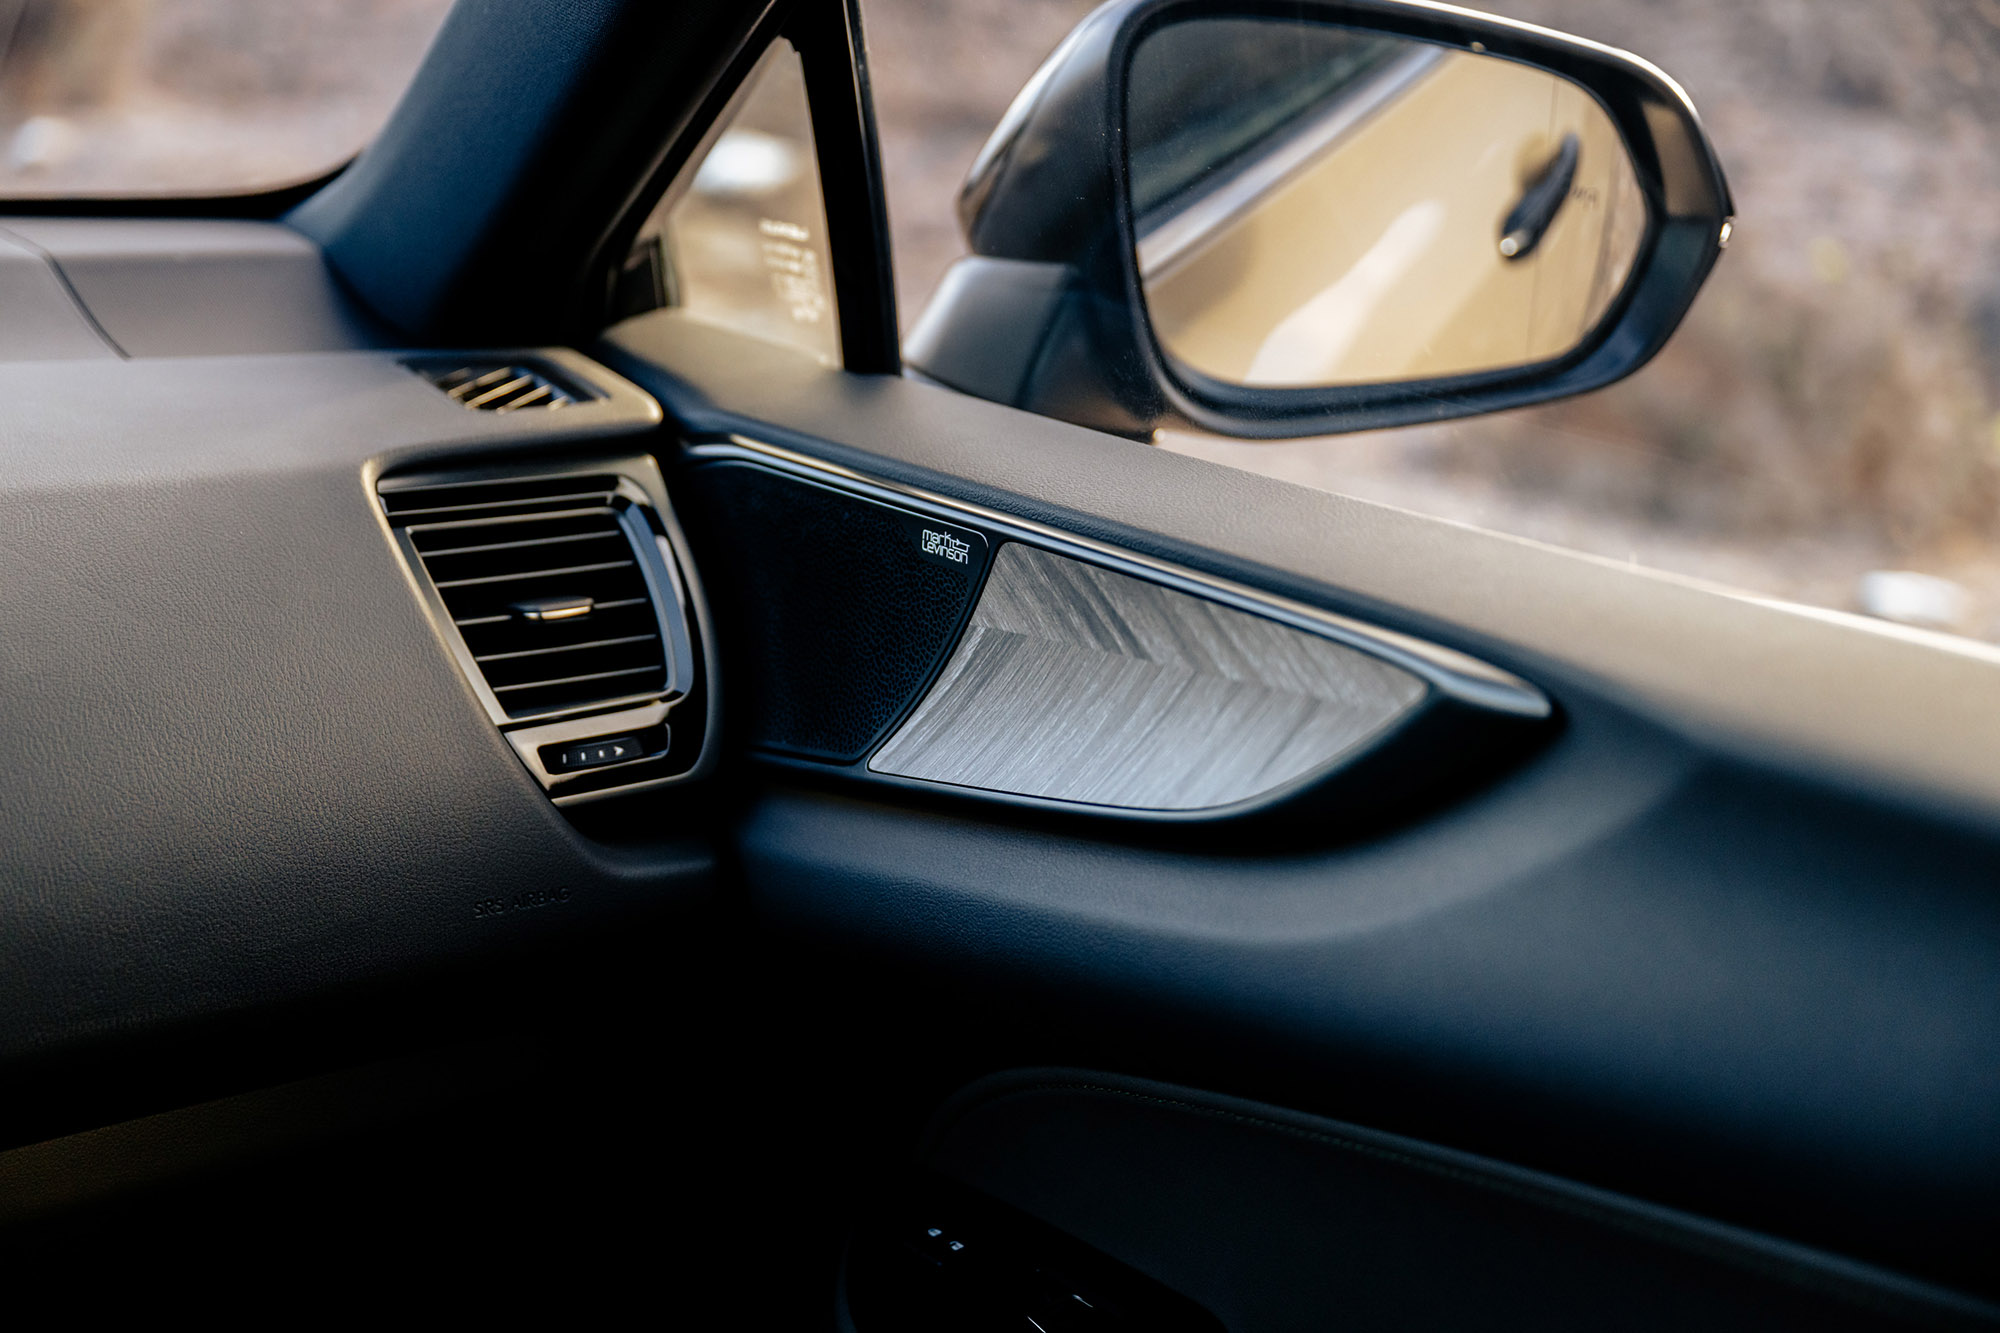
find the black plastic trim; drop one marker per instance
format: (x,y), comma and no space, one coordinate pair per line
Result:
(494,236)
(596,298)
(828,37)
(1879,1290)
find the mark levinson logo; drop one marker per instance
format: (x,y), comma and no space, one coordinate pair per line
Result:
(944,544)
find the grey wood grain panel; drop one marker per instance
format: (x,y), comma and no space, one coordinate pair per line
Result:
(1077,683)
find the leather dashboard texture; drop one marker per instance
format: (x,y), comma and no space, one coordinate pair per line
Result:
(45,321)
(245,770)
(183,287)
(1075,683)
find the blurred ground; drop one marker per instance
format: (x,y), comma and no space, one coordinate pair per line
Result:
(1830,406)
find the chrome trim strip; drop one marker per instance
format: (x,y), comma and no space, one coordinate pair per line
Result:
(1464,678)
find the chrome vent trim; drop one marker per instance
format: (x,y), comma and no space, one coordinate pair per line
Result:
(498,386)
(560,593)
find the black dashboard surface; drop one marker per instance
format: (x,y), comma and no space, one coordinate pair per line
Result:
(244,769)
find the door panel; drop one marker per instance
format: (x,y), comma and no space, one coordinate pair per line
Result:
(1746,970)
(1309,1222)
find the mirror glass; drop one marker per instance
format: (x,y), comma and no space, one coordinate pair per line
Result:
(1320,206)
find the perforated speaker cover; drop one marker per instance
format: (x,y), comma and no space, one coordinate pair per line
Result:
(833,612)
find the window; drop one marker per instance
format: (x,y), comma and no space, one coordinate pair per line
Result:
(121,98)
(1824,427)
(740,239)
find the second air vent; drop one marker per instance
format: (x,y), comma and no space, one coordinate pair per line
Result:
(554,585)
(498,386)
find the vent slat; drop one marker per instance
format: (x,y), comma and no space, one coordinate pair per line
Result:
(478,498)
(463,383)
(567,648)
(521,542)
(510,390)
(600,497)
(535,397)
(487,386)
(499,551)
(497,599)
(572,680)
(616,604)
(534,574)
(511,633)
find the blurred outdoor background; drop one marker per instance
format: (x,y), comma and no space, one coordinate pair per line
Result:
(123,97)
(1831,408)
(1829,414)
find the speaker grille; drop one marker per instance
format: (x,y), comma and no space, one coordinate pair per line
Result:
(834,615)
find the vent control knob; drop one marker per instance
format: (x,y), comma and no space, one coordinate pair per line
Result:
(555,608)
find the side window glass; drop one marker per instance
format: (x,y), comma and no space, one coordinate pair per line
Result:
(740,239)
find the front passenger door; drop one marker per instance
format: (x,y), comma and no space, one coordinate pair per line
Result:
(1284,910)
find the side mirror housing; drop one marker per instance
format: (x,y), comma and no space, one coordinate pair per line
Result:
(1271,221)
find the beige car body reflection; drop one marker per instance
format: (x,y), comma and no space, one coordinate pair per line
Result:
(1375,255)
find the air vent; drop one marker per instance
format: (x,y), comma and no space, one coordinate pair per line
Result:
(498,386)
(550,583)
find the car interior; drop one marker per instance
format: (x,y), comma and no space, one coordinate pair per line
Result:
(531,793)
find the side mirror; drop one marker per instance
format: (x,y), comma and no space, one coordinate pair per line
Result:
(1271,220)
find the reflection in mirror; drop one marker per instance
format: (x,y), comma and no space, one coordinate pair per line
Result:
(1319,206)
